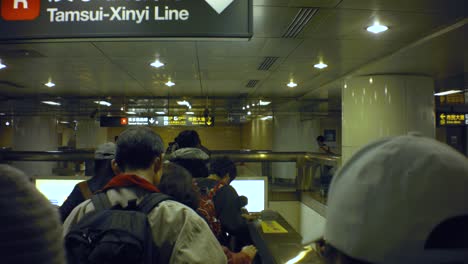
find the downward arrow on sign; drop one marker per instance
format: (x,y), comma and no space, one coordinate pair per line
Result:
(219,5)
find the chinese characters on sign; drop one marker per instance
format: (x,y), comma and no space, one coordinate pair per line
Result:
(452,119)
(157,121)
(452,99)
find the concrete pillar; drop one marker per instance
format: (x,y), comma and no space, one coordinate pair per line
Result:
(89,134)
(35,133)
(291,134)
(385,105)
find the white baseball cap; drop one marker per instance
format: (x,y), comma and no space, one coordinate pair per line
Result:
(387,200)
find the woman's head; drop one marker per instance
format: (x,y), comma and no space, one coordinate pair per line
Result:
(224,167)
(176,181)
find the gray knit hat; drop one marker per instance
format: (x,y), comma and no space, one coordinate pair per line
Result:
(30,227)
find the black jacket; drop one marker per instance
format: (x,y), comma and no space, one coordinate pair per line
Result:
(228,209)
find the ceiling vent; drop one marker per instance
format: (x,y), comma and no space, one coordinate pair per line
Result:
(252,83)
(11,84)
(299,22)
(267,63)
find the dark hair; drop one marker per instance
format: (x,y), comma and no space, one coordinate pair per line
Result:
(103,173)
(196,167)
(222,166)
(188,139)
(137,147)
(320,138)
(177,182)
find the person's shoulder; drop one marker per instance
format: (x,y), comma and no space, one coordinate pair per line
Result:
(174,210)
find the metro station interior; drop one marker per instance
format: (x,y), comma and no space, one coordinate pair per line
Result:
(304,68)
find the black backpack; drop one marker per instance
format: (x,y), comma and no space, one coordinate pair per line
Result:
(114,235)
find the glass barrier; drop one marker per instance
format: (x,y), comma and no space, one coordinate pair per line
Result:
(287,172)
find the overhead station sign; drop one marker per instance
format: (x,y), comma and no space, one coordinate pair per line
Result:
(452,119)
(157,121)
(76,19)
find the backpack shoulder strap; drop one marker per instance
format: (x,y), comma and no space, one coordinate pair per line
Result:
(101,201)
(85,191)
(152,200)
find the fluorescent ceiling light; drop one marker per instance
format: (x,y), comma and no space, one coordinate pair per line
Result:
(253,105)
(266,118)
(2,114)
(184,103)
(49,84)
(170,84)
(377,28)
(161,113)
(2,66)
(189,113)
(103,103)
(320,65)
(249,113)
(130,113)
(264,103)
(157,64)
(448,92)
(64,122)
(51,103)
(292,84)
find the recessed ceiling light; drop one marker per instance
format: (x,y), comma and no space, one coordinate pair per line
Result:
(345,86)
(264,102)
(130,113)
(7,123)
(320,65)
(51,103)
(292,84)
(248,106)
(448,92)
(2,66)
(371,80)
(243,108)
(249,113)
(49,84)
(266,118)
(157,64)
(121,108)
(170,84)
(189,113)
(377,28)
(103,103)
(161,113)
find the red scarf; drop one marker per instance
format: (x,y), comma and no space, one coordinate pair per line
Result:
(127,180)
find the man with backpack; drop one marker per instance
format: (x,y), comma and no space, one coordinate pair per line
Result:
(130,221)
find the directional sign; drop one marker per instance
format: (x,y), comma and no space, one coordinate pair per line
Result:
(95,19)
(452,119)
(157,121)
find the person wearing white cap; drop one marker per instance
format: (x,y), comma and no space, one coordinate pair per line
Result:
(31,231)
(399,200)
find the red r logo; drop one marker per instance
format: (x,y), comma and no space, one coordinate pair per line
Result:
(14,10)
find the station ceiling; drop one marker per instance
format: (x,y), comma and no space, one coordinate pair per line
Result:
(427,37)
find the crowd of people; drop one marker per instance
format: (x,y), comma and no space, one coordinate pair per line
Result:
(397,200)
